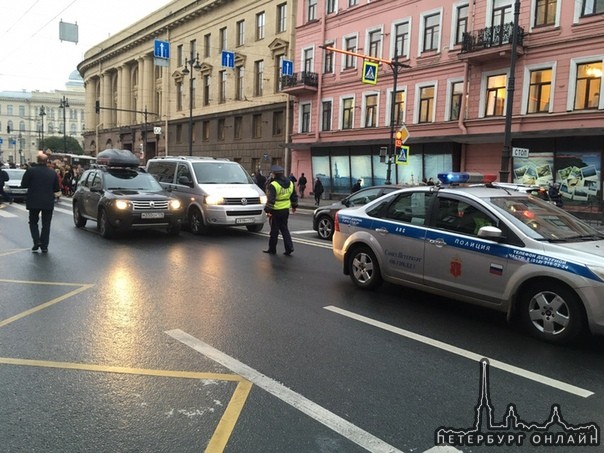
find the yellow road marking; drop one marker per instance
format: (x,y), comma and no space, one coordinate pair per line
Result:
(46,304)
(229,419)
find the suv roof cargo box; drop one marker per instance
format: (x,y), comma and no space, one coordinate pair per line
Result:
(117,158)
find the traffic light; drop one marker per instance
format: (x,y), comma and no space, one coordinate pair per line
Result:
(97,107)
(398,139)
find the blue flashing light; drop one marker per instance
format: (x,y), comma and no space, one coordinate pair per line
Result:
(465,178)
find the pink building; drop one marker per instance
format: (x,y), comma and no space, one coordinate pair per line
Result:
(451,91)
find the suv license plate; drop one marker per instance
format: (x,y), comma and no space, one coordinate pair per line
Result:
(152,215)
(245,220)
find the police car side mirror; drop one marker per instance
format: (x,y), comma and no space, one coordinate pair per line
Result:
(490,232)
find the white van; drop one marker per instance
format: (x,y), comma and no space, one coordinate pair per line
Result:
(215,192)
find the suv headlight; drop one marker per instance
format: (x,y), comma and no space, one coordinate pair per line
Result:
(175,205)
(214,199)
(122,205)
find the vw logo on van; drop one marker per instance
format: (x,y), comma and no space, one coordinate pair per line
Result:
(244,201)
(152,204)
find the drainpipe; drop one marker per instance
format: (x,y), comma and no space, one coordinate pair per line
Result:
(462,107)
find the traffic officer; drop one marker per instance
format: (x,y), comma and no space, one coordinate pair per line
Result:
(281,194)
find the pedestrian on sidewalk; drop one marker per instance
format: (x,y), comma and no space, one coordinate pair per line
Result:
(302,181)
(318,191)
(281,194)
(42,183)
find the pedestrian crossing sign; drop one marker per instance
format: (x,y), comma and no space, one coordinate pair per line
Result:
(402,158)
(370,72)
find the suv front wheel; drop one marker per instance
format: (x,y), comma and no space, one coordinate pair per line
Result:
(78,219)
(103,224)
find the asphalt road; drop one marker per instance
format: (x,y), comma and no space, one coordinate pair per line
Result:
(151,343)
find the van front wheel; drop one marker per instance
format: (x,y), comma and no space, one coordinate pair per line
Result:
(196,221)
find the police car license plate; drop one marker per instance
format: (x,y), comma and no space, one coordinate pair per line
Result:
(244,220)
(152,215)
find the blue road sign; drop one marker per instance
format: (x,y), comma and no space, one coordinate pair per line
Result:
(228,59)
(287,67)
(1,141)
(370,72)
(161,49)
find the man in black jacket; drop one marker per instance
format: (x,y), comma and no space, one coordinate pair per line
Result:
(41,183)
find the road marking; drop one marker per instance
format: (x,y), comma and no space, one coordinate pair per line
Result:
(465,353)
(303,232)
(313,410)
(7,214)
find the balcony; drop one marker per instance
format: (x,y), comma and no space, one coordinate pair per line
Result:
(491,42)
(300,83)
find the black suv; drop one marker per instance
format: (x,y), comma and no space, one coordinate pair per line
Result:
(119,195)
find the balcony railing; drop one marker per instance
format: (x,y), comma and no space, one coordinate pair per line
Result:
(299,80)
(490,37)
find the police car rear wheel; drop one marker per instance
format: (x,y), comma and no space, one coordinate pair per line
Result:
(364,268)
(325,227)
(552,312)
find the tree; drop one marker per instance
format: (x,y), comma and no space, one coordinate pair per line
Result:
(56,144)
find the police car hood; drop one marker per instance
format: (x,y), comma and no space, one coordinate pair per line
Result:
(587,252)
(233,190)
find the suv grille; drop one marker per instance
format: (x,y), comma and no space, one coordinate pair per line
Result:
(149,205)
(241,202)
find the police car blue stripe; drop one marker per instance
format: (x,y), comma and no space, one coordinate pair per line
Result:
(480,246)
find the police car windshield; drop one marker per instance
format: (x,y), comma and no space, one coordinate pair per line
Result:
(131,180)
(543,221)
(221,173)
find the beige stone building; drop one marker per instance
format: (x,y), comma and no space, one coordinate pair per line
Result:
(218,93)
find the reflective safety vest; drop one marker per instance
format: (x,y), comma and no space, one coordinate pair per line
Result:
(283,195)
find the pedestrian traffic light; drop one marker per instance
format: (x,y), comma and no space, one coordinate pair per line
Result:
(97,107)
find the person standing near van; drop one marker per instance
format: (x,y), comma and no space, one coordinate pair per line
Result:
(318,191)
(302,181)
(42,183)
(282,196)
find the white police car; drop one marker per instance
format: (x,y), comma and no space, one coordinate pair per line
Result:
(489,246)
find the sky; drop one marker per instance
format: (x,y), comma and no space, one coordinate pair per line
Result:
(33,58)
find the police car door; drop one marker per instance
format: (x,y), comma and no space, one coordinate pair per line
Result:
(456,259)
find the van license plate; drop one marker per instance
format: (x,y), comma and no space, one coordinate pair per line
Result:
(152,215)
(244,220)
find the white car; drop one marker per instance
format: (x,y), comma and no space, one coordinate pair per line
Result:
(12,187)
(489,246)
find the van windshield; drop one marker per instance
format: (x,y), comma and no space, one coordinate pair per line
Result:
(221,173)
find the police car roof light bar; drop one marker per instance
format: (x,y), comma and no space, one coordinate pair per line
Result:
(455,178)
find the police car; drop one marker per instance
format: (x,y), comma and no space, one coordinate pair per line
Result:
(491,246)
(119,196)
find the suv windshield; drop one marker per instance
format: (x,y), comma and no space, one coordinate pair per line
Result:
(131,179)
(221,173)
(543,221)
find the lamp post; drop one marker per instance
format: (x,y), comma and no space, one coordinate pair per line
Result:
(193,64)
(42,115)
(63,105)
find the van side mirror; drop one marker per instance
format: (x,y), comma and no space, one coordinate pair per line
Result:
(185,181)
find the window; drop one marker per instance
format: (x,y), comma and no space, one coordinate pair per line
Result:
(257,126)
(326,107)
(179,57)
(223,83)
(311,10)
(239,78)
(205,130)
(592,7)
(375,43)
(22,111)
(347,113)
(431,32)
(456,97)
(238,121)
(496,87)
(331,6)
(462,23)
(350,44)
(545,12)
(260,25)
(353,3)
(240,33)
(539,91)
(206,45)
(221,129)
(278,123)
(193,48)
(179,96)
(328,56)
(305,118)
(193,88)
(426,104)
(587,91)
(502,13)
(258,77)
(223,38)
(371,101)
(399,107)
(401,32)
(308,59)
(206,89)
(278,68)
(281,17)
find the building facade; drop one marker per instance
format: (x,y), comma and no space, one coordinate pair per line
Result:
(27,118)
(451,91)
(216,92)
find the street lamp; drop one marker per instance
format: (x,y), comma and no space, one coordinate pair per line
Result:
(193,64)
(63,105)
(42,115)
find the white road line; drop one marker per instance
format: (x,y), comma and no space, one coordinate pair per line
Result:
(465,353)
(304,232)
(313,410)
(6,214)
